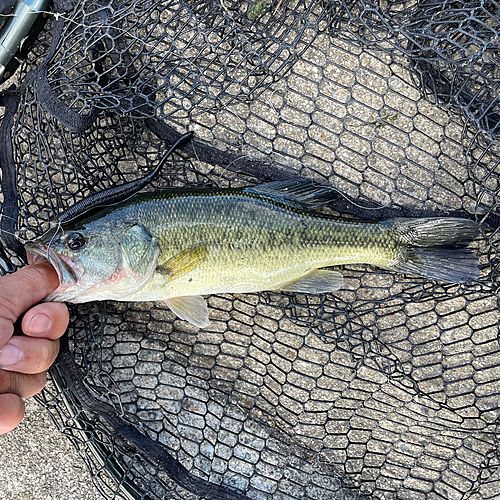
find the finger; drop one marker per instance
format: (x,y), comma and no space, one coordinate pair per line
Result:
(20,290)
(21,384)
(28,355)
(48,320)
(11,412)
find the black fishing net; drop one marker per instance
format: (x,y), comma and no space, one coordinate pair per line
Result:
(387,389)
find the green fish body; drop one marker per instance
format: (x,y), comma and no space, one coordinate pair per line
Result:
(177,245)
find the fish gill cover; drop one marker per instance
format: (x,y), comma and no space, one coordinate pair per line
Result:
(386,389)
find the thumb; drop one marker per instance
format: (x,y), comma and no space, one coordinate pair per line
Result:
(24,288)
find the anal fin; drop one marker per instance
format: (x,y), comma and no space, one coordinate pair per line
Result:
(192,309)
(318,281)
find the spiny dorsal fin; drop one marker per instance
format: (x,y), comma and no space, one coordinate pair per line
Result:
(299,193)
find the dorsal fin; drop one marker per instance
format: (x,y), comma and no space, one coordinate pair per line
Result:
(298,193)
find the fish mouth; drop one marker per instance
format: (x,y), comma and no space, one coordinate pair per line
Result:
(66,270)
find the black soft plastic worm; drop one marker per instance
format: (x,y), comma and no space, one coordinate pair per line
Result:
(116,194)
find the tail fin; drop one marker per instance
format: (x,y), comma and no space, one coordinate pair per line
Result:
(435,248)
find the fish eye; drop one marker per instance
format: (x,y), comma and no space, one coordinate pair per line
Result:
(76,241)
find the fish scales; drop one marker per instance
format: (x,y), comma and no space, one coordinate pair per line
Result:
(253,244)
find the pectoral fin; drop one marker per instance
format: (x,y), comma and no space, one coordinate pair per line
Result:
(193,309)
(318,281)
(183,262)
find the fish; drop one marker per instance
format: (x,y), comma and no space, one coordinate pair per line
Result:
(178,245)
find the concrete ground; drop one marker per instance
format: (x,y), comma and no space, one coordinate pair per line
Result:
(38,463)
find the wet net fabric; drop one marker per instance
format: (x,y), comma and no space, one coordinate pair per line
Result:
(387,389)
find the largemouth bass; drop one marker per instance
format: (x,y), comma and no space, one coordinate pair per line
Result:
(177,245)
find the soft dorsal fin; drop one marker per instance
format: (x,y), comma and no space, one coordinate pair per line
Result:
(298,193)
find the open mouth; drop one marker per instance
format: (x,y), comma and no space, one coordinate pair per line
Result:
(35,258)
(64,268)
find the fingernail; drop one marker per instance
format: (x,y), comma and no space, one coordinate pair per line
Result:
(39,323)
(10,355)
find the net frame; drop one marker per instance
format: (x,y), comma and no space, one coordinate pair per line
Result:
(351,330)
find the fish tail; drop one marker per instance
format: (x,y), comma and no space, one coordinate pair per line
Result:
(435,248)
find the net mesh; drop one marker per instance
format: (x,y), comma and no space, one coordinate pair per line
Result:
(387,389)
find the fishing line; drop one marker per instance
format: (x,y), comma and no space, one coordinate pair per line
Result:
(52,240)
(15,235)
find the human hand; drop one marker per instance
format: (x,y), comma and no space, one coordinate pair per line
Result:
(27,352)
